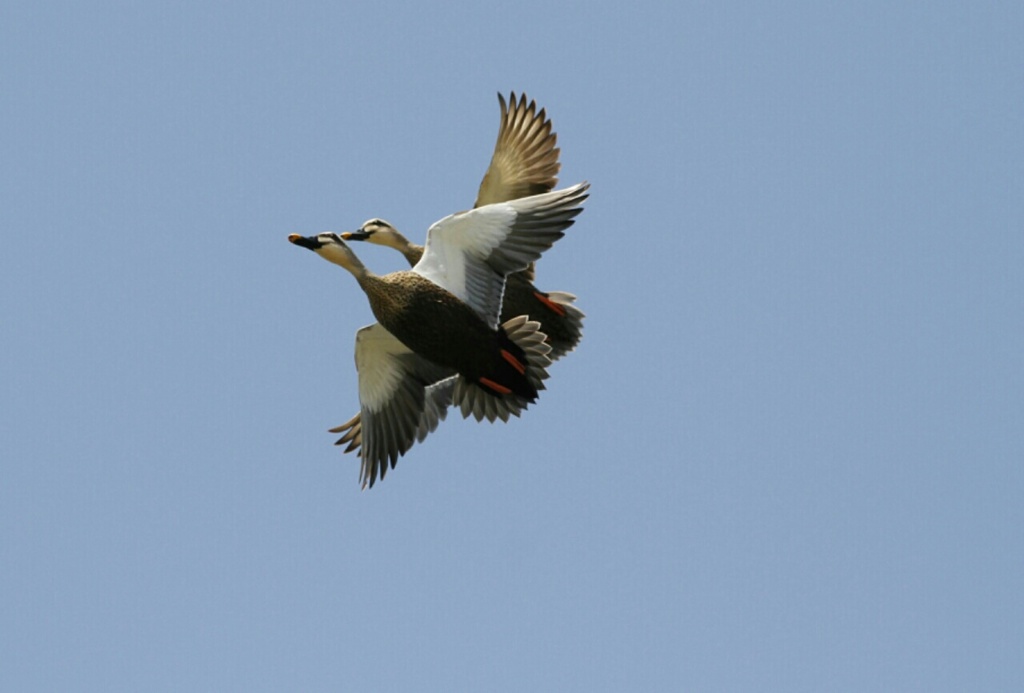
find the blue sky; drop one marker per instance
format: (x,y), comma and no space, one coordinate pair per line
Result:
(786,456)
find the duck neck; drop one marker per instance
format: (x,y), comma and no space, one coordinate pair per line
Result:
(410,251)
(365,277)
(349,261)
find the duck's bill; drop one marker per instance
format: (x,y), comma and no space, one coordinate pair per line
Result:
(310,242)
(355,236)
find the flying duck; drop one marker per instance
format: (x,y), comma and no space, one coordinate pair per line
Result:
(524,162)
(439,323)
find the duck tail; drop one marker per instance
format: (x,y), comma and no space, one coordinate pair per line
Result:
(563,322)
(491,401)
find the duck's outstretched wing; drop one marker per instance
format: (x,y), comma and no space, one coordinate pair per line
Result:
(439,396)
(525,159)
(402,398)
(470,253)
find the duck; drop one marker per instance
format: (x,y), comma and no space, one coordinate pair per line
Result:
(525,162)
(438,324)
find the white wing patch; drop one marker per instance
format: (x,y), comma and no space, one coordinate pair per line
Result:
(460,238)
(470,253)
(380,373)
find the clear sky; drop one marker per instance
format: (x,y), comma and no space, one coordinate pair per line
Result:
(787,455)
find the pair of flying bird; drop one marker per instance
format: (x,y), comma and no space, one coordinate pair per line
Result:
(465,326)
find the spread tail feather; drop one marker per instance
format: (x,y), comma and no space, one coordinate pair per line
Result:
(485,403)
(565,331)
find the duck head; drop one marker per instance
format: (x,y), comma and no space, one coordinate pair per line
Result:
(378,232)
(330,247)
